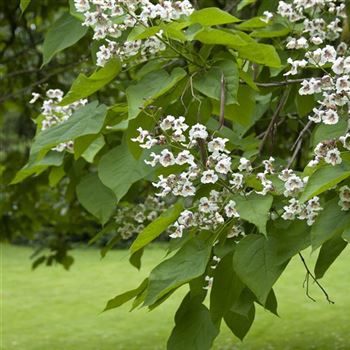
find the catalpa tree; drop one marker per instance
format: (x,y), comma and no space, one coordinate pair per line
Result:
(236,128)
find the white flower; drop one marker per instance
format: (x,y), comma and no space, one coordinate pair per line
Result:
(267,16)
(217,145)
(344,193)
(293,185)
(55,94)
(345,140)
(330,117)
(186,218)
(343,84)
(333,157)
(167,123)
(166,158)
(154,161)
(268,164)
(178,231)
(286,174)
(235,232)
(267,184)
(310,87)
(178,136)
(180,125)
(237,181)
(209,281)
(142,135)
(185,157)
(198,131)
(341,65)
(223,166)
(345,206)
(207,206)
(35,97)
(245,165)
(188,189)
(82,5)
(218,218)
(230,209)
(209,176)
(295,66)
(150,142)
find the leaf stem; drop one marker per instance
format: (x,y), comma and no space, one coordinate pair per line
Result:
(310,274)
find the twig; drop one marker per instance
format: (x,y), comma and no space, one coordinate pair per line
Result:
(306,285)
(307,126)
(295,153)
(280,106)
(309,274)
(278,83)
(41,81)
(222,102)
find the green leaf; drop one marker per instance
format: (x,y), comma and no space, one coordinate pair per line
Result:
(219,37)
(331,221)
(248,79)
(85,86)
(209,82)
(328,132)
(245,3)
(212,16)
(188,263)
(151,86)
(241,113)
(38,166)
(24,4)
(108,229)
(135,259)
(259,260)
(239,324)
(245,46)
(305,104)
(55,176)
(173,30)
(65,32)
(329,252)
(255,209)
(125,297)
(92,150)
(325,178)
(346,234)
(156,227)
(96,198)
(87,120)
(271,303)
(276,30)
(252,23)
(140,33)
(226,289)
(260,53)
(118,170)
(194,329)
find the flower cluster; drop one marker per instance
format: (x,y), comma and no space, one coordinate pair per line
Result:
(55,114)
(310,14)
(195,160)
(133,219)
(293,184)
(111,18)
(321,23)
(301,211)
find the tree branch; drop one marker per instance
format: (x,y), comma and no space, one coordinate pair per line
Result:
(279,108)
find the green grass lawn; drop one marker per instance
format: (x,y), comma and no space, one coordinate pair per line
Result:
(52,309)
